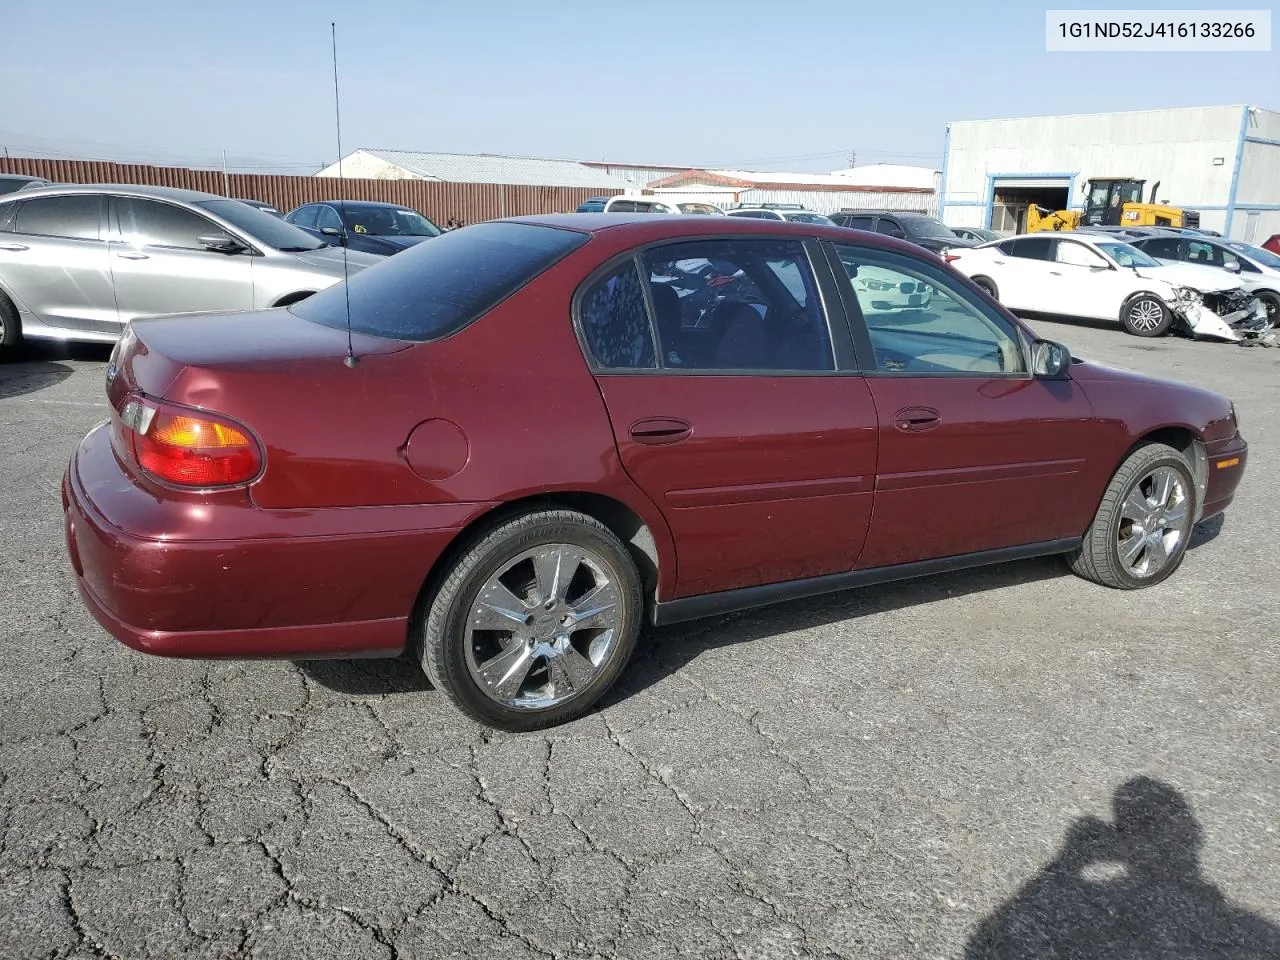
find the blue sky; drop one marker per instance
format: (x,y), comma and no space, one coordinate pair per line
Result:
(792,85)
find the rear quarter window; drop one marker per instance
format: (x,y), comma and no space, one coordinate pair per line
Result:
(436,288)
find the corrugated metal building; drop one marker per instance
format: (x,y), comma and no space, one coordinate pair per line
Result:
(1222,161)
(821,192)
(475,168)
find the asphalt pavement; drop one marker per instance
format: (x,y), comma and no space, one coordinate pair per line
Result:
(1001,763)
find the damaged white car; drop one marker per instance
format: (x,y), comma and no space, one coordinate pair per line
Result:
(1097,277)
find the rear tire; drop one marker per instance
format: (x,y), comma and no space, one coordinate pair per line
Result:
(1139,536)
(10,328)
(534,621)
(987,286)
(1146,315)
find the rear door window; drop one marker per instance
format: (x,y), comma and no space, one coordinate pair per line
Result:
(1034,248)
(743,305)
(76,217)
(1166,248)
(436,288)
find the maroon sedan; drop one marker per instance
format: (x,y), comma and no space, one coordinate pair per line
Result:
(508,449)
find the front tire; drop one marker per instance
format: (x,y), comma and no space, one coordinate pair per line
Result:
(1146,315)
(1272,302)
(534,621)
(1139,536)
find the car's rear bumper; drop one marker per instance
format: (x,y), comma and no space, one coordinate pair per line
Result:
(1226,463)
(274,583)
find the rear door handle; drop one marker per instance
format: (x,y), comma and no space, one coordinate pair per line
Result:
(916,419)
(132,255)
(14,247)
(657,430)
(1055,273)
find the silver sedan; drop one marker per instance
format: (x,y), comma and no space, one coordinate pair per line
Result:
(80,262)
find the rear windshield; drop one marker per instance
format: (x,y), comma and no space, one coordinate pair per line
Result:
(433,289)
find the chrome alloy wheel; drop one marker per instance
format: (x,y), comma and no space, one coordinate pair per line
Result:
(1146,314)
(541,629)
(1154,520)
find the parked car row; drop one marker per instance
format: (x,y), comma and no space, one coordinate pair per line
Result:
(80,262)
(1098,276)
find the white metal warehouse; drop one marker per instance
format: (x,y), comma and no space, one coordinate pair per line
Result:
(1221,161)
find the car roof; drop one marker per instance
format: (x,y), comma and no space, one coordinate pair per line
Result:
(360,204)
(126,189)
(650,228)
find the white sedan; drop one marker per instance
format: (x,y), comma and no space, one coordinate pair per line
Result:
(1097,277)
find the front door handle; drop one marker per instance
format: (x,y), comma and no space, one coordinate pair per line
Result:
(656,430)
(916,419)
(1055,273)
(14,247)
(132,255)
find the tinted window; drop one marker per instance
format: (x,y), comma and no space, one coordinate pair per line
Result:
(261,226)
(387,221)
(152,223)
(737,305)
(1033,248)
(615,321)
(76,216)
(622,206)
(920,322)
(888,227)
(859,223)
(304,216)
(433,289)
(1165,247)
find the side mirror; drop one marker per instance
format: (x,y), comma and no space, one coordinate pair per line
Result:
(1232,267)
(1050,360)
(331,231)
(220,243)
(1098,267)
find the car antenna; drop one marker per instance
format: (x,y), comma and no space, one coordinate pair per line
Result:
(351,359)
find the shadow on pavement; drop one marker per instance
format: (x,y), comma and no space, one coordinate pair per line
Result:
(670,648)
(18,379)
(1128,889)
(366,677)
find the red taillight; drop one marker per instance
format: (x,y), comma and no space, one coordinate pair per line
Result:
(190,448)
(949,257)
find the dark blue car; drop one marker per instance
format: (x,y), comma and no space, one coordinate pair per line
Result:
(381,228)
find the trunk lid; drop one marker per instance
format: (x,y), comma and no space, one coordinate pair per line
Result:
(329,435)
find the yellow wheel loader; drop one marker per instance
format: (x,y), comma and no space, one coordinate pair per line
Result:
(1113,202)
